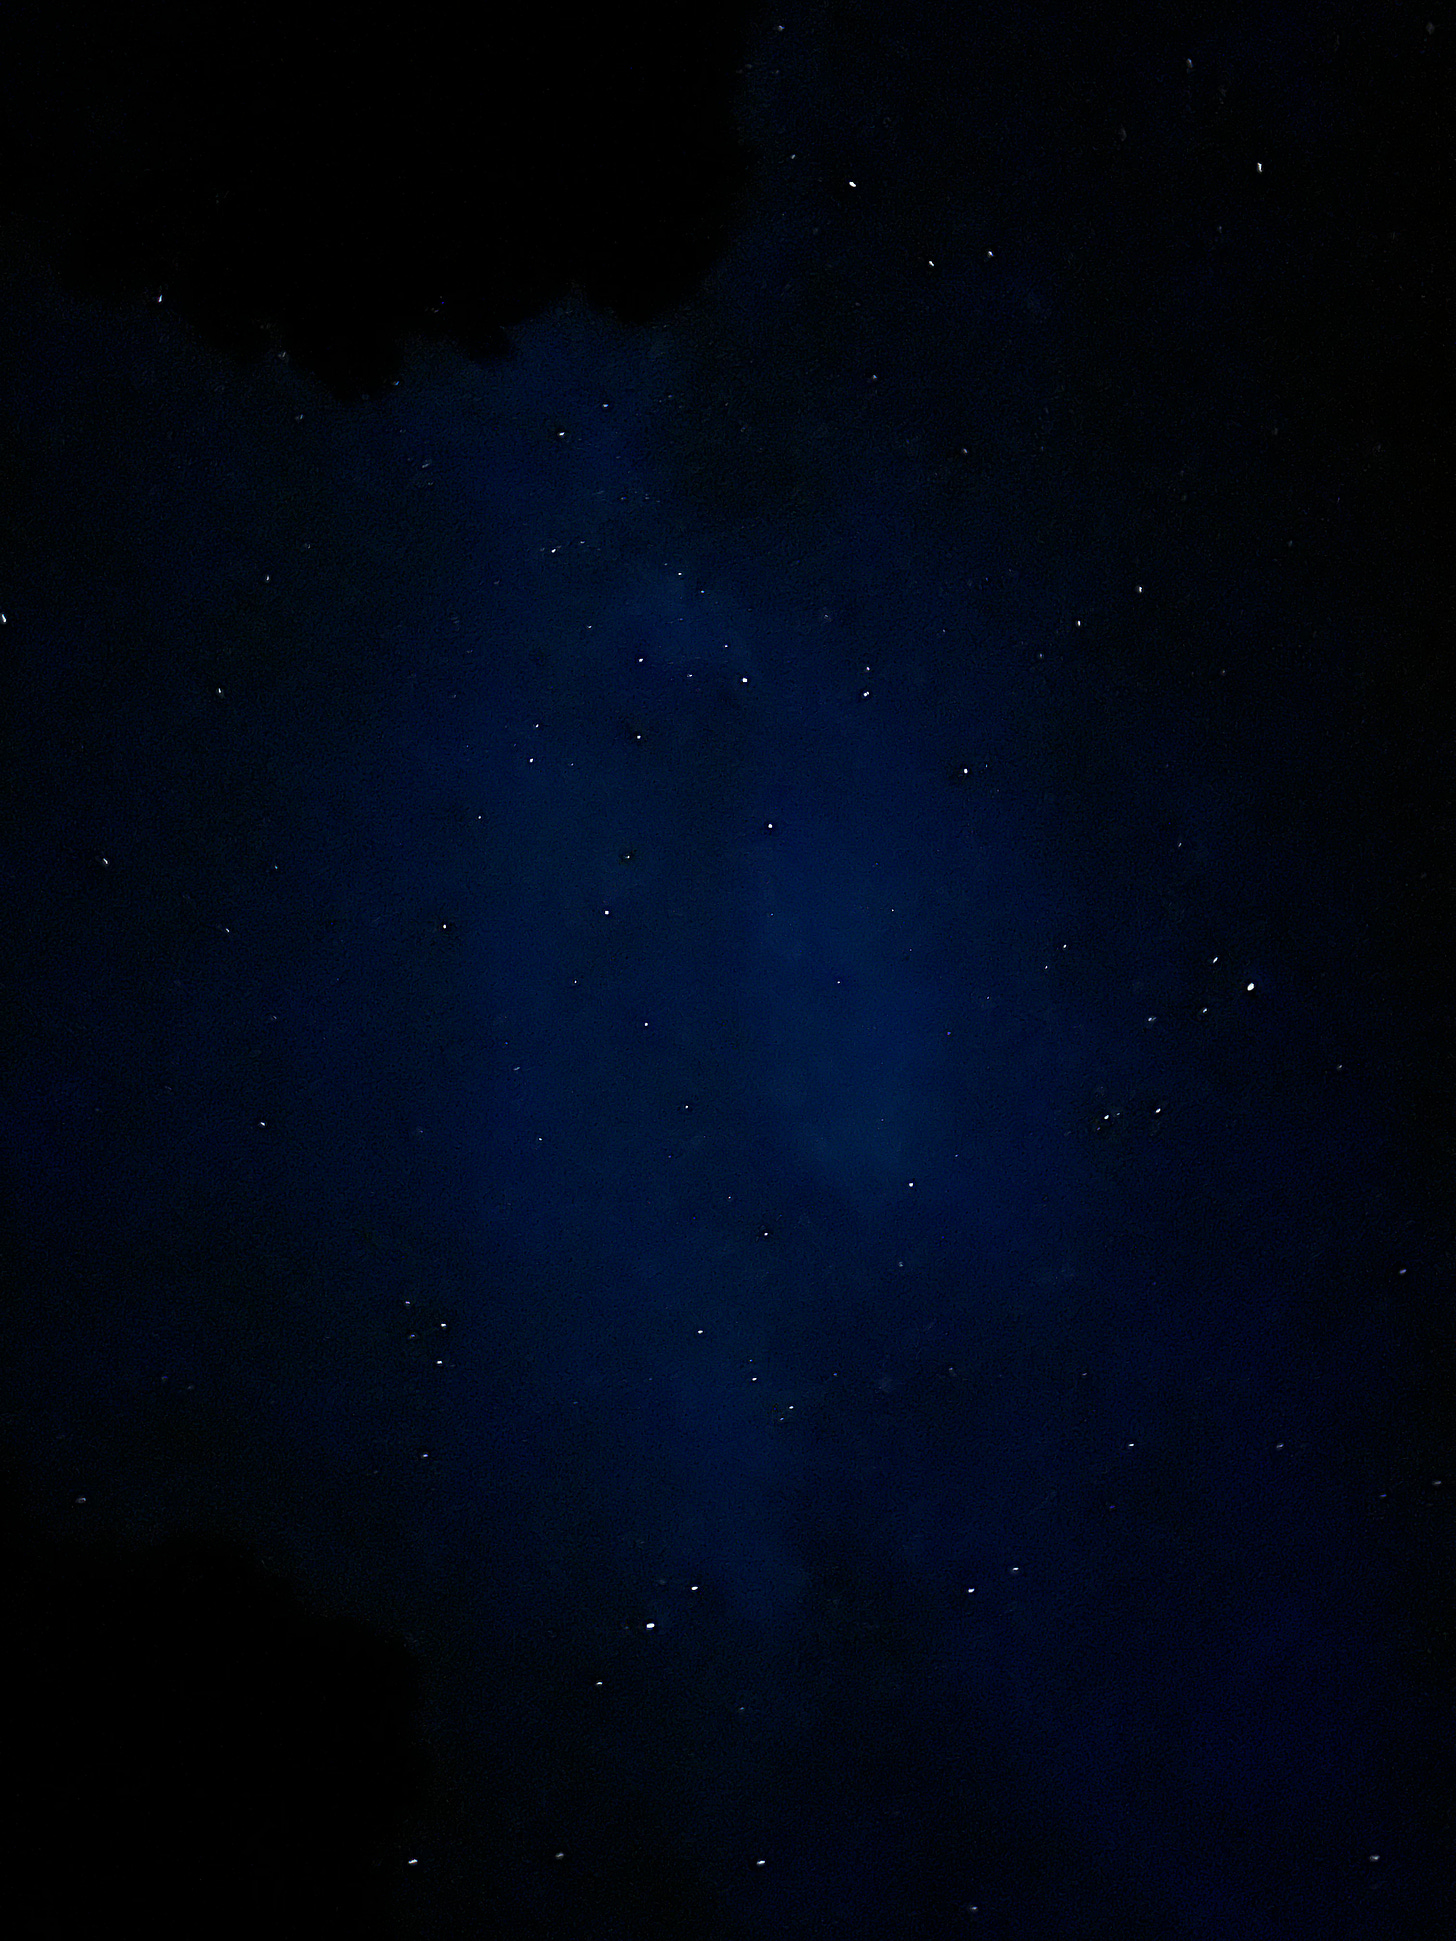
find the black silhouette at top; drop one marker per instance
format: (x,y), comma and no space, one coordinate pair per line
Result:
(329,182)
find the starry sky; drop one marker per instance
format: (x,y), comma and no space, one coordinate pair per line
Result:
(725,1058)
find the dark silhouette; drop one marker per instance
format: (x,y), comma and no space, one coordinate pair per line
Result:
(190,1750)
(327,183)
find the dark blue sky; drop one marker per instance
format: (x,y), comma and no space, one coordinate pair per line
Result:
(726,1073)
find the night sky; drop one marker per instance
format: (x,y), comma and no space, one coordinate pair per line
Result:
(725,1041)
